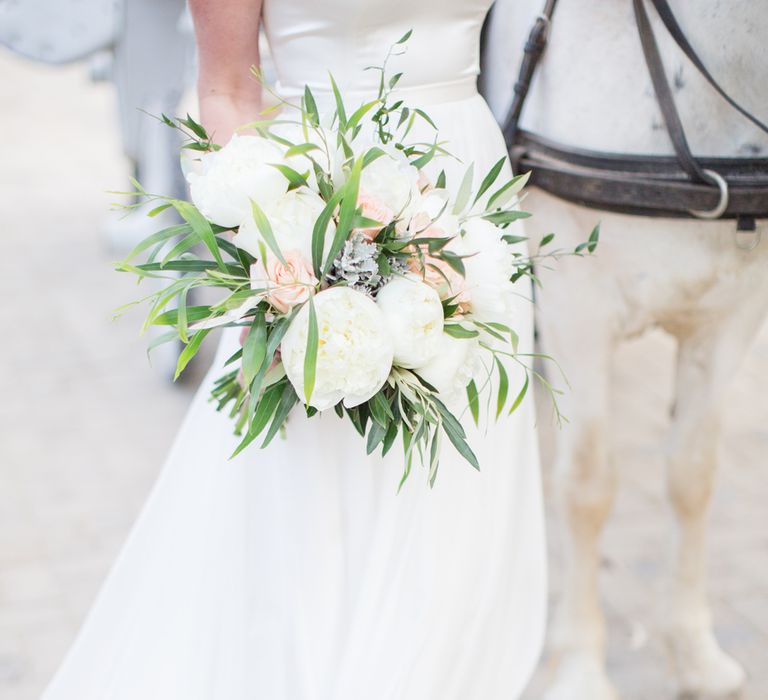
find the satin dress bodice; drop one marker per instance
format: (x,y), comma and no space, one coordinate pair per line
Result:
(310,38)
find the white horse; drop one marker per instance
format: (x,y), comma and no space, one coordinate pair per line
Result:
(687,276)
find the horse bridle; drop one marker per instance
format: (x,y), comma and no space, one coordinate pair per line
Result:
(682,185)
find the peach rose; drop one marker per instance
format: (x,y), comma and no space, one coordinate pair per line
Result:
(421,225)
(374,208)
(288,284)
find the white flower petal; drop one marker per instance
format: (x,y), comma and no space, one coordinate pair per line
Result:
(224,182)
(414,316)
(453,367)
(355,353)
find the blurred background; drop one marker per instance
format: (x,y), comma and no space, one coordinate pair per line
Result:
(85,421)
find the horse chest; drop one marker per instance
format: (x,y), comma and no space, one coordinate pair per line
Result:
(678,277)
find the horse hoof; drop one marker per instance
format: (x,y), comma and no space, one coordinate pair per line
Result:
(579,677)
(704,670)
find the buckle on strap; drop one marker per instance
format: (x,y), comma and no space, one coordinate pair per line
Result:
(722,205)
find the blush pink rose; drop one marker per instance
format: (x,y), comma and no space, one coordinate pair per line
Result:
(287,284)
(421,225)
(373,208)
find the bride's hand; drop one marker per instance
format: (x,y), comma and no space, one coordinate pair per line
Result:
(222,114)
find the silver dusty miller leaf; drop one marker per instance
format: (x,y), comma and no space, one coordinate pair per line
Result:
(357,265)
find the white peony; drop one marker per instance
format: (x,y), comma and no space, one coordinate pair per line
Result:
(292,218)
(489,265)
(414,316)
(455,364)
(432,217)
(391,181)
(225,181)
(354,355)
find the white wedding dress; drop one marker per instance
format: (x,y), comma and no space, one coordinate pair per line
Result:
(298,572)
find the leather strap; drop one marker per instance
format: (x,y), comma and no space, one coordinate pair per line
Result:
(664,96)
(636,184)
(533,51)
(665,13)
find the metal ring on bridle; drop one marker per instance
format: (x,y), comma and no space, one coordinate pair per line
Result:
(754,241)
(722,205)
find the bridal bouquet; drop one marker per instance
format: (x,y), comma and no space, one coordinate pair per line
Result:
(360,284)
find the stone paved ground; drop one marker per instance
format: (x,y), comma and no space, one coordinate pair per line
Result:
(84,424)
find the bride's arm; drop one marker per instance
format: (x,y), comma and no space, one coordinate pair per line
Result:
(227,34)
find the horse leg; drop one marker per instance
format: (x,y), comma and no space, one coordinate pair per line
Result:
(586,484)
(707,357)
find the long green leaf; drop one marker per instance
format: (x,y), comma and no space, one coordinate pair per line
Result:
(408,456)
(591,244)
(425,158)
(505,216)
(376,434)
(254,392)
(181,247)
(295,178)
(359,113)
(238,254)
(178,266)
(276,333)
(380,410)
(474,401)
(201,226)
(389,438)
(190,351)
(152,213)
(300,149)
(181,316)
(490,178)
(434,457)
(287,401)
(520,396)
(255,348)
(503,387)
(456,330)
(465,190)
(340,111)
(265,228)
(448,417)
(265,407)
(320,229)
(167,337)
(508,190)
(193,313)
(425,117)
(460,443)
(310,359)
(311,107)
(159,237)
(405,37)
(346,214)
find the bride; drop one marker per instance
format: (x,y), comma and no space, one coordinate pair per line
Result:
(298,572)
